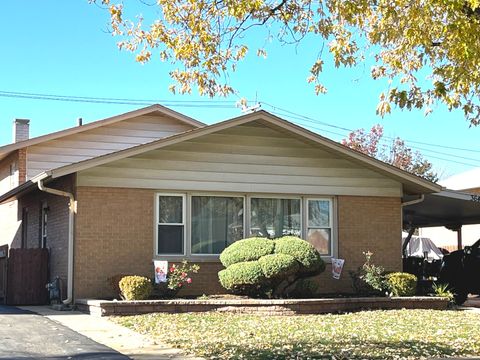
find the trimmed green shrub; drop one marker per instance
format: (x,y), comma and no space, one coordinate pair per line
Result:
(242,278)
(246,250)
(305,288)
(402,284)
(135,287)
(278,265)
(260,267)
(114,281)
(302,251)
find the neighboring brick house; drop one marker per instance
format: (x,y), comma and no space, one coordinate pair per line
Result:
(153,184)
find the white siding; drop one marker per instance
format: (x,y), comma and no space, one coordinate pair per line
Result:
(8,180)
(247,158)
(10,224)
(102,140)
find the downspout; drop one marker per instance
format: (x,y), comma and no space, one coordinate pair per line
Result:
(71,215)
(411,230)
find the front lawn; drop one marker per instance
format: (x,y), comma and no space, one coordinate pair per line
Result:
(393,334)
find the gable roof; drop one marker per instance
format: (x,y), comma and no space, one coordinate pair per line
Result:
(412,184)
(6,149)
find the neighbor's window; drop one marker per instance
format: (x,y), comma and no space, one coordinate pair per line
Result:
(216,223)
(273,218)
(319,225)
(171,225)
(43,225)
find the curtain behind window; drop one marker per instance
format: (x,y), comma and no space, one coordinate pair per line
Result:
(274,218)
(216,223)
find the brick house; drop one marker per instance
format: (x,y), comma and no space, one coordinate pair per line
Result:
(108,197)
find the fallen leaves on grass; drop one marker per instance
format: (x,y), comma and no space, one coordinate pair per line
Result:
(394,334)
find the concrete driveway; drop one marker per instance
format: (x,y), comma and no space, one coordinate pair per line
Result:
(26,335)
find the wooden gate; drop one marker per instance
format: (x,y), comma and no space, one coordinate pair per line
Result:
(27,275)
(3,273)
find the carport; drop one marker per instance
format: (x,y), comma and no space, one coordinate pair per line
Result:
(448,208)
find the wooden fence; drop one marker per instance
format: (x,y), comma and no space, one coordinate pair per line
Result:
(27,276)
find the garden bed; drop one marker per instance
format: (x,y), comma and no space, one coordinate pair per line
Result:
(258,306)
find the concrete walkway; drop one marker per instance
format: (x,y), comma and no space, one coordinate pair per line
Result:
(119,338)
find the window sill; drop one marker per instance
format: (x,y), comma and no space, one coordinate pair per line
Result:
(189,258)
(208,258)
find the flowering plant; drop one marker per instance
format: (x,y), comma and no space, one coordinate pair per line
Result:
(373,275)
(178,275)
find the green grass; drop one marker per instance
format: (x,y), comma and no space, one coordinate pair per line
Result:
(393,334)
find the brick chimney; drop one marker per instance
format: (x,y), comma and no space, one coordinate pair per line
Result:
(21,130)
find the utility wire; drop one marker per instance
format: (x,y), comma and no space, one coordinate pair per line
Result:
(120,101)
(198,103)
(316,121)
(388,143)
(300,118)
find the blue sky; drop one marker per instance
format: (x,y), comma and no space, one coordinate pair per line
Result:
(63,47)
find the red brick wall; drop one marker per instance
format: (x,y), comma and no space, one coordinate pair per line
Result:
(22,165)
(114,235)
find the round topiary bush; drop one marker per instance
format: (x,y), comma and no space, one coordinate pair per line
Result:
(306,255)
(246,250)
(135,287)
(242,278)
(259,266)
(278,265)
(402,284)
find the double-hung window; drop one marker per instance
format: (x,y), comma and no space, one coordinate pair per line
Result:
(274,218)
(319,225)
(216,222)
(171,224)
(204,225)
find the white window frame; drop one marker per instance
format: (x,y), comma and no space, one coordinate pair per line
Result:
(187,224)
(330,220)
(190,196)
(184,222)
(274,196)
(44,225)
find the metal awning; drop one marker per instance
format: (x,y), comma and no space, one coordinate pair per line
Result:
(446,208)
